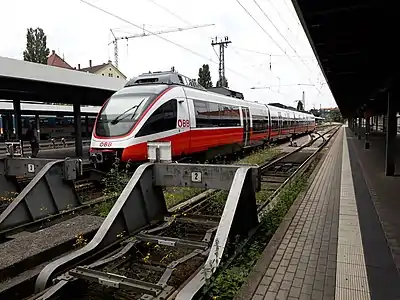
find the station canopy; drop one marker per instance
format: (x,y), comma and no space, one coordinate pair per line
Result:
(356,44)
(21,80)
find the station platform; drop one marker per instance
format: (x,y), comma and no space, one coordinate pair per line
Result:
(61,153)
(340,239)
(57,153)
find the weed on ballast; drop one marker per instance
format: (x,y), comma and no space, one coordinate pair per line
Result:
(118,176)
(176,195)
(260,156)
(7,199)
(217,204)
(225,284)
(114,183)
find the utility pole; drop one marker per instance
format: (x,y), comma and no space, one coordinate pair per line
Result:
(222,45)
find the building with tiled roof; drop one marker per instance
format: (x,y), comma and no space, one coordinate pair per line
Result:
(56,61)
(105,69)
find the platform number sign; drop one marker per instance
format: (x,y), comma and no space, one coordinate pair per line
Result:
(31,168)
(196,176)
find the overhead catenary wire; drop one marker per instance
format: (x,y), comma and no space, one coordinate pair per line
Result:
(216,54)
(272,39)
(170,12)
(261,27)
(169,41)
(294,16)
(279,32)
(262,71)
(188,23)
(283,20)
(290,45)
(270,54)
(179,18)
(165,39)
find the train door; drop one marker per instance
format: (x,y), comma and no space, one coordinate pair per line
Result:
(184,121)
(246,126)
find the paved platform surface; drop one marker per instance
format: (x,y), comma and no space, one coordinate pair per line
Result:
(334,246)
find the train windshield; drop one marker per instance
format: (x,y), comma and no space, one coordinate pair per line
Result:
(121,112)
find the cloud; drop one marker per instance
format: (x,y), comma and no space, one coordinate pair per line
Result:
(80,33)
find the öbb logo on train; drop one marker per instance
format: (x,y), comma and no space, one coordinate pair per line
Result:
(183,123)
(105,144)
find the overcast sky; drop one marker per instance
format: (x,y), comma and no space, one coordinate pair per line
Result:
(81,32)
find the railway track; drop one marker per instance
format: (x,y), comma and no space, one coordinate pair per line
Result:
(90,194)
(88,191)
(157,262)
(274,174)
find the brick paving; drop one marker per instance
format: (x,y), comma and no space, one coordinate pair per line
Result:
(304,265)
(337,241)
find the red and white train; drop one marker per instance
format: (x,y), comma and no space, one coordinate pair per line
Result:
(167,106)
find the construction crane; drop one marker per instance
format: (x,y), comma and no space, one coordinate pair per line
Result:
(144,34)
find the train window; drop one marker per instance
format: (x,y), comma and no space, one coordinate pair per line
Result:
(230,116)
(260,124)
(201,109)
(209,114)
(163,119)
(277,123)
(213,109)
(214,118)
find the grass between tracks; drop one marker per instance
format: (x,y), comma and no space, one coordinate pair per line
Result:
(226,284)
(116,180)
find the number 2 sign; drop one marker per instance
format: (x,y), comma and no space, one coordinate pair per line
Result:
(196,176)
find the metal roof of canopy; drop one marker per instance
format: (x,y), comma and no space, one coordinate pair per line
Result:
(47,109)
(31,81)
(356,46)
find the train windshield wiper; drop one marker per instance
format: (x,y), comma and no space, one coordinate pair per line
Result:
(124,114)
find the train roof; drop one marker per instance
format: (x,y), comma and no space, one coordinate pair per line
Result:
(219,94)
(240,102)
(297,113)
(46,109)
(164,77)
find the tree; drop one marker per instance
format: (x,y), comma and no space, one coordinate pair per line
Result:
(224,83)
(205,76)
(335,116)
(300,106)
(315,112)
(36,48)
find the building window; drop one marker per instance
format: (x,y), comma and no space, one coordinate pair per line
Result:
(117,76)
(102,74)
(110,75)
